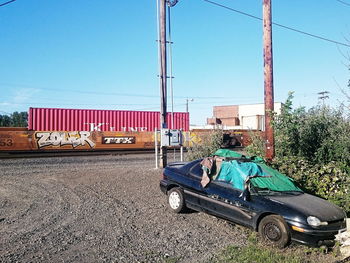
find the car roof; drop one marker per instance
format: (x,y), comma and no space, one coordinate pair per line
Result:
(183,167)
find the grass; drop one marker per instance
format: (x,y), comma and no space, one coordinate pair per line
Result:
(255,252)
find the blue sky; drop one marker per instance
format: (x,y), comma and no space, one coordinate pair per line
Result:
(103,54)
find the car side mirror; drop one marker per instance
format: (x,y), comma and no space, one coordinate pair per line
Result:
(245,194)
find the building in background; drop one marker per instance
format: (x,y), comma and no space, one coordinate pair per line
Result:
(240,117)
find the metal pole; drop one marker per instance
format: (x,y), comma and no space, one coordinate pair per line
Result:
(322,96)
(158,40)
(171,70)
(268,80)
(160,84)
(187,100)
(181,153)
(156,146)
(163,77)
(172,126)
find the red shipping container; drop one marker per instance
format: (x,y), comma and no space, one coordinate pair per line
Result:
(51,119)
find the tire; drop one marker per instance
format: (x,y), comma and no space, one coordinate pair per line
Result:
(274,231)
(176,200)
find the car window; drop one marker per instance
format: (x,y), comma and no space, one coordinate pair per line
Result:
(186,168)
(196,170)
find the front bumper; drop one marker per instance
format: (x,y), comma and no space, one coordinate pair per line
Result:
(315,237)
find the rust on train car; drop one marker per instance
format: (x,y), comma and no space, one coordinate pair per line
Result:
(15,139)
(13,129)
(52,119)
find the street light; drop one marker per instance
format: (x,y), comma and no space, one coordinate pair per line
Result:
(187,100)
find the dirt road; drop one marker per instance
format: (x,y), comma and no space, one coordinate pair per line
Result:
(97,209)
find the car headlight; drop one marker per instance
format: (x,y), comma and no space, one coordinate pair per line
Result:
(314,221)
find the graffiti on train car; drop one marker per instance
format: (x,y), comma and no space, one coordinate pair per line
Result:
(6,140)
(118,140)
(75,139)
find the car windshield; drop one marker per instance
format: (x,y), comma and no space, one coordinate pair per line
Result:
(274,181)
(265,191)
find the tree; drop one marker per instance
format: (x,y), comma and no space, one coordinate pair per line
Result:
(5,121)
(20,119)
(16,119)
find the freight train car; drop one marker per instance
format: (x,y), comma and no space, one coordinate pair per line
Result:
(51,119)
(23,140)
(100,130)
(14,140)
(51,129)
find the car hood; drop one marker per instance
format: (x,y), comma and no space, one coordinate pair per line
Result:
(311,205)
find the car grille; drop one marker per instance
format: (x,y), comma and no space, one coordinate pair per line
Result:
(337,224)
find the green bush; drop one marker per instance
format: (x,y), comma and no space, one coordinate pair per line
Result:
(324,136)
(329,181)
(256,146)
(319,135)
(313,147)
(208,144)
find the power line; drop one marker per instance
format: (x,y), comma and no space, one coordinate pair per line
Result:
(344,3)
(277,24)
(158,107)
(6,3)
(82,92)
(111,93)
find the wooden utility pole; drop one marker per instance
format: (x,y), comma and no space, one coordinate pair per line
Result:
(268,80)
(163,76)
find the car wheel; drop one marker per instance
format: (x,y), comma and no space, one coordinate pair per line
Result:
(176,200)
(274,230)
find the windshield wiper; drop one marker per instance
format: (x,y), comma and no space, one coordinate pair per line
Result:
(269,192)
(293,192)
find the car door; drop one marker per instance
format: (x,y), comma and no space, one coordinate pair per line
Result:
(221,199)
(193,192)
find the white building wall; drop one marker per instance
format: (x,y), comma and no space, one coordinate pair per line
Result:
(252,116)
(252,122)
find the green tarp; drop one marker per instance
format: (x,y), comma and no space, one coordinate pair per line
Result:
(236,173)
(265,177)
(227,153)
(276,181)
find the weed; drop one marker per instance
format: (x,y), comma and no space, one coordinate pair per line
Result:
(256,252)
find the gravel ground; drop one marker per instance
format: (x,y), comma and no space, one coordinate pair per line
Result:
(99,208)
